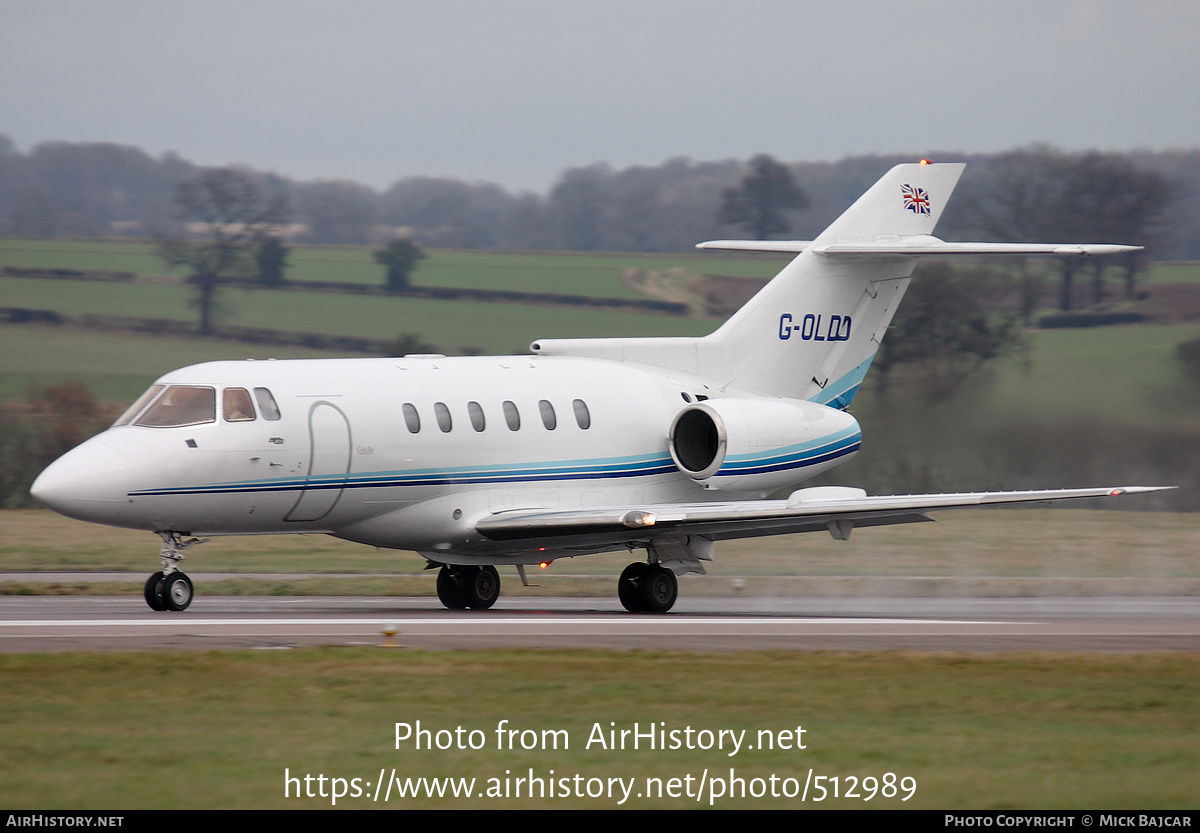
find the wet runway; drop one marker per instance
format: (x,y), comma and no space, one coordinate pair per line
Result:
(90,623)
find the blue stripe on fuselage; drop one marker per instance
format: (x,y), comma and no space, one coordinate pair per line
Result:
(618,467)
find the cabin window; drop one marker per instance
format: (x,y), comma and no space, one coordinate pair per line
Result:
(266,404)
(411,418)
(136,408)
(547,412)
(443,417)
(475,411)
(512,416)
(582,416)
(236,405)
(181,405)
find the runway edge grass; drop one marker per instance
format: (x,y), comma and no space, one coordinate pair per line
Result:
(204,730)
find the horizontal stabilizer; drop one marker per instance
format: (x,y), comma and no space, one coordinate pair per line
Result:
(744,519)
(786,246)
(921,245)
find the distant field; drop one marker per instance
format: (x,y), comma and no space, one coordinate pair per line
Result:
(451,326)
(105,255)
(116,367)
(592,274)
(1125,374)
(589,273)
(1103,406)
(1172,273)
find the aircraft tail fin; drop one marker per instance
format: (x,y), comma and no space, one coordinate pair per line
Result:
(812,332)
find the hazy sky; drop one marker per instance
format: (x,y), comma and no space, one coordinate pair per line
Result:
(513,91)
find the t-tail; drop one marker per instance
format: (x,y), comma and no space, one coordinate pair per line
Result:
(812,332)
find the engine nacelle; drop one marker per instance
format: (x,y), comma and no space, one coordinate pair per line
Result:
(760,445)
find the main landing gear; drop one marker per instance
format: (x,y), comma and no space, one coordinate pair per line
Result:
(647,588)
(642,588)
(463,586)
(170,588)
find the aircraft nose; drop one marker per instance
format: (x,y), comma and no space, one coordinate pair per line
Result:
(90,483)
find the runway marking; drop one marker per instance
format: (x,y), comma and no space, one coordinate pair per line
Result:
(640,621)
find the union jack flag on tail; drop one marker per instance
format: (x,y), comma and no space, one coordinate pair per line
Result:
(916,200)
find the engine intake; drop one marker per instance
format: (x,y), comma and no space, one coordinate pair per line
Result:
(759,445)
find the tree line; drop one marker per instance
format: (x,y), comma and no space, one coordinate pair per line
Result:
(102,189)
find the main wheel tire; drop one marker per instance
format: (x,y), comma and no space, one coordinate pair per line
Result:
(449,589)
(481,586)
(176,591)
(151,594)
(659,589)
(628,586)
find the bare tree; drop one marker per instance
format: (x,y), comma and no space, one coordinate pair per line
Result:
(1043,195)
(234,214)
(952,322)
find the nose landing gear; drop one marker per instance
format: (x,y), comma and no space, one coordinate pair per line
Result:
(170,588)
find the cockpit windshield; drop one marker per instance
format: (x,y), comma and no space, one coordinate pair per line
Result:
(136,407)
(181,405)
(195,405)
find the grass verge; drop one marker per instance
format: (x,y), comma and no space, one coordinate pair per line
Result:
(175,731)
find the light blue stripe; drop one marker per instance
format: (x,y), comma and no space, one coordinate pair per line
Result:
(840,393)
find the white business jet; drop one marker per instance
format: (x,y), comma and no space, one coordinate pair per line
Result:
(585,446)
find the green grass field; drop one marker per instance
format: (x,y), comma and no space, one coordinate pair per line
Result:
(117,367)
(1172,273)
(104,255)
(595,274)
(592,273)
(502,328)
(180,730)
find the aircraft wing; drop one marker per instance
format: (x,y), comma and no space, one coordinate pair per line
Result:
(833,508)
(919,245)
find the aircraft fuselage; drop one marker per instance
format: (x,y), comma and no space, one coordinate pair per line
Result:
(407,453)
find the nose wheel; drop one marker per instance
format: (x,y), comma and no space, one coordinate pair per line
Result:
(170,588)
(168,592)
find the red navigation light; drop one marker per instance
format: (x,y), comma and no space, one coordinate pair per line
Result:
(925,162)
